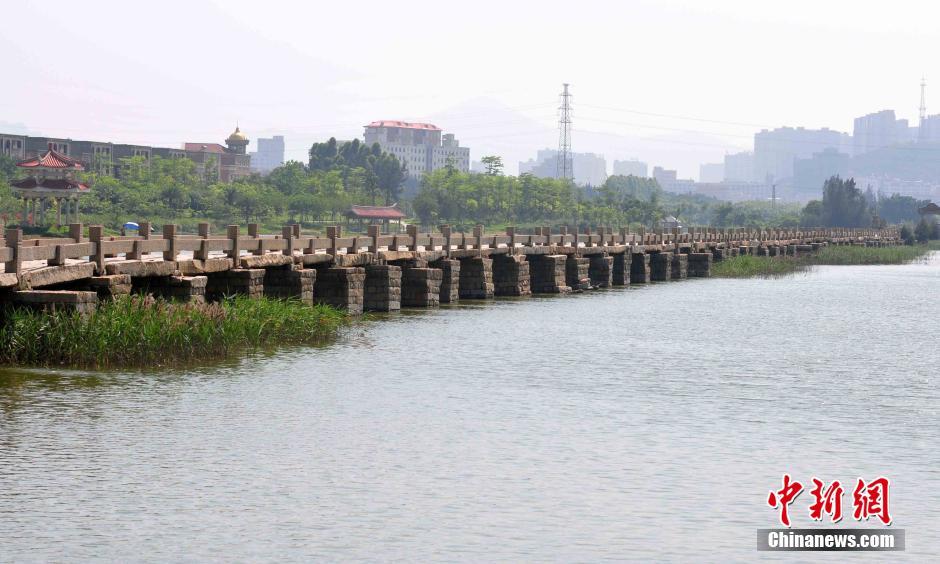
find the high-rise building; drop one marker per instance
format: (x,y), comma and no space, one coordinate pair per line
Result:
(810,174)
(878,130)
(631,167)
(739,167)
(270,154)
(421,147)
(775,151)
(590,169)
(711,172)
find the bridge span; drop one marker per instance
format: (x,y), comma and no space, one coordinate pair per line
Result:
(376,272)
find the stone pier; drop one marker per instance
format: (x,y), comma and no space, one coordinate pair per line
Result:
(700,265)
(680,266)
(640,269)
(292,281)
(548,274)
(238,281)
(450,279)
(421,287)
(577,273)
(660,266)
(177,288)
(601,270)
(383,285)
(476,278)
(511,276)
(109,286)
(341,287)
(56,300)
(620,272)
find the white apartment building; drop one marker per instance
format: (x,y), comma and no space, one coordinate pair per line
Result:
(420,146)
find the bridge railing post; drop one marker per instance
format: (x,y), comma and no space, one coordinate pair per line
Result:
(373,233)
(287,233)
(446,231)
(478,237)
(412,231)
(332,233)
(511,233)
(234,252)
(255,234)
(95,235)
(15,264)
(169,234)
(202,253)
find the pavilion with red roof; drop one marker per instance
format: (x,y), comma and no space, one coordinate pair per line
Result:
(371,215)
(50,178)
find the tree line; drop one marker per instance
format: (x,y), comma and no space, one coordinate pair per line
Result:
(338,175)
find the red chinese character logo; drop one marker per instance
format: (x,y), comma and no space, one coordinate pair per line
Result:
(828,500)
(872,499)
(784,497)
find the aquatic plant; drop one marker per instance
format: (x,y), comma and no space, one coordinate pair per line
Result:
(137,331)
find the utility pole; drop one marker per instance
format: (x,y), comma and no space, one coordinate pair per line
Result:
(563,164)
(921,133)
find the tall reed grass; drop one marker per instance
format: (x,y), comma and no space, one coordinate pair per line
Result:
(138,331)
(748,266)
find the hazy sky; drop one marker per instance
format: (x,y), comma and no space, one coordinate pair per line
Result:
(672,82)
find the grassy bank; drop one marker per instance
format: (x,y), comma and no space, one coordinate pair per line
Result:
(139,331)
(752,266)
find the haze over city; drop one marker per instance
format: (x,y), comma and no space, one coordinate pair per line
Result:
(675,84)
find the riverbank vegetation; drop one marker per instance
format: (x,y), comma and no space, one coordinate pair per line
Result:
(138,331)
(338,175)
(748,266)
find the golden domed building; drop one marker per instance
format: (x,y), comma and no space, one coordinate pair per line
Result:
(227,163)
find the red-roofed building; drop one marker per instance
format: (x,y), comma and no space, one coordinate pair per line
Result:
(375,214)
(51,181)
(421,147)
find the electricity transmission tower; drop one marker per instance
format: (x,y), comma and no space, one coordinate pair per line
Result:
(563,164)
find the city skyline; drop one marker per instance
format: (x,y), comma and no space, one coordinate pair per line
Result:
(677,126)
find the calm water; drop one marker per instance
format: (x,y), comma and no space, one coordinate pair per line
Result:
(631,424)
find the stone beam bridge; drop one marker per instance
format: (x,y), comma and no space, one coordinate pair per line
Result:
(375,272)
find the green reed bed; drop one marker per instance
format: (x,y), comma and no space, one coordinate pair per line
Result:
(748,266)
(870,255)
(140,331)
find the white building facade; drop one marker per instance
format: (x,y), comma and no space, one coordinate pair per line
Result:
(421,147)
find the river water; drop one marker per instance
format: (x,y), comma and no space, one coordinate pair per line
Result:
(646,423)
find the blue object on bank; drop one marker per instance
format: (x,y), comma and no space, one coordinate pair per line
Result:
(131,225)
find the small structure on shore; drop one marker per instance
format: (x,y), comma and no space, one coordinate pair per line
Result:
(929,209)
(375,215)
(51,178)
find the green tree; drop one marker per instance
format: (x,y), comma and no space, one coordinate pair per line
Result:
(493,164)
